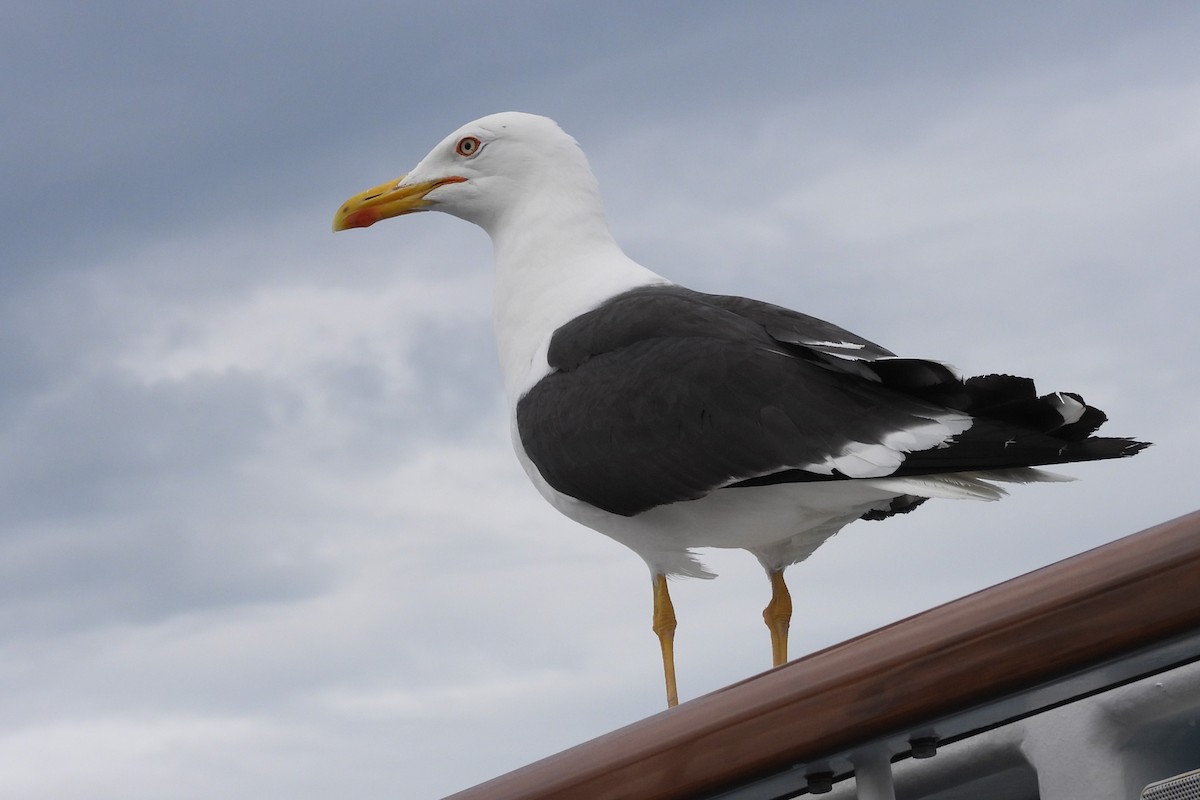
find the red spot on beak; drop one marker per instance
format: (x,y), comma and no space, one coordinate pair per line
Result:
(362,218)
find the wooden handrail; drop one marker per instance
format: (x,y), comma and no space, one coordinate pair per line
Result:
(1101,605)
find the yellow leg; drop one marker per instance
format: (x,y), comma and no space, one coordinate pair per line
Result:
(778,616)
(664,627)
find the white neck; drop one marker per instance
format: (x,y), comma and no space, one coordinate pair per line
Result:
(555,259)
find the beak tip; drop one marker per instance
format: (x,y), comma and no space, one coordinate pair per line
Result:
(358,218)
(389,199)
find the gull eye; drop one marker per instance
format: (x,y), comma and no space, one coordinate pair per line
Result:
(467,146)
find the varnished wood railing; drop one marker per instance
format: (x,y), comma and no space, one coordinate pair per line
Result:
(1140,592)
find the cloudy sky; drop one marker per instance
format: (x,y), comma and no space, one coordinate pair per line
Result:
(261,531)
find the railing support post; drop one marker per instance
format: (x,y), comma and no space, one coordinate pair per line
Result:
(873,775)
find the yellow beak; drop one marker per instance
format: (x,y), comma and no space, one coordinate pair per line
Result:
(386,200)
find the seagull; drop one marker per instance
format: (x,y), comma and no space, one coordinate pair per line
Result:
(669,419)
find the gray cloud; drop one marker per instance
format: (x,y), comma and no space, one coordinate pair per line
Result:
(261,533)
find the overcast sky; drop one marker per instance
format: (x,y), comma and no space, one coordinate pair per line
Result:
(261,531)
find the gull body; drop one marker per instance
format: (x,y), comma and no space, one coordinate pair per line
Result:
(671,420)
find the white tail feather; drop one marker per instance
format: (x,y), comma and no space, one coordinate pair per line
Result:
(968,485)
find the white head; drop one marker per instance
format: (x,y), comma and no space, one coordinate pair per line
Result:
(484,172)
(525,182)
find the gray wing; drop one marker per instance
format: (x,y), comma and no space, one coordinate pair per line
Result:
(663,394)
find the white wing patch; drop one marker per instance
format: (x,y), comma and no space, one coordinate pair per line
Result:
(879,459)
(1068,408)
(838,345)
(850,351)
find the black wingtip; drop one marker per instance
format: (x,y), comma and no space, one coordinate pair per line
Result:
(1100,448)
(1133,447)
